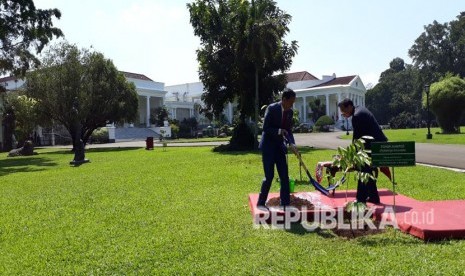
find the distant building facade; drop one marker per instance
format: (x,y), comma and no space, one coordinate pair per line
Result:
(329,89)
(184,100)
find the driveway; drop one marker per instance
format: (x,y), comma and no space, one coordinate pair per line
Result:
(443,155)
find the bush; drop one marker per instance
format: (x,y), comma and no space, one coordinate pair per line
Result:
(226,130)
(186,127)
(403,120)
(100,136)
(158,116)
(208,132)
(447,99)
(323,123)
(241,140)
(174,131)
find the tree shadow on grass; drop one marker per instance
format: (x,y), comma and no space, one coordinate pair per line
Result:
(24,164)
(118,149)
(96,150)
(302,150)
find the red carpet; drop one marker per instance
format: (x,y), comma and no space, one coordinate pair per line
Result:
(427,220)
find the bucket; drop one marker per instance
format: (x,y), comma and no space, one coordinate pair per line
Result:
(291,185)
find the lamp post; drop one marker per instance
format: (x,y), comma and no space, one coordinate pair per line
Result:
(429,135)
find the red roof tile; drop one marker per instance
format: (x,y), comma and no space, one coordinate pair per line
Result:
(300,76)
(136,76)
(337,81)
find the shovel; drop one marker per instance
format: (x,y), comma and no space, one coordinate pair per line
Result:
(312,180)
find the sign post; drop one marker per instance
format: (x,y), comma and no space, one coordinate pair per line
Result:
(393,154)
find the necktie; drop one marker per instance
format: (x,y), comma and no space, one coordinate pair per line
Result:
(284,121)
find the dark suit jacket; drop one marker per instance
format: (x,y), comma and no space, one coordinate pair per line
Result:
(365,124)
(273,119)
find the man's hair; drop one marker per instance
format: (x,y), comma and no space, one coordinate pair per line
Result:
(345,103)
(288,93)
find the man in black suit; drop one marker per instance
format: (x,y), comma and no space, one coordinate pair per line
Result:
(363,124)
(277,125)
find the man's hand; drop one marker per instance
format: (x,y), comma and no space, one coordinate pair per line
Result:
(284,132)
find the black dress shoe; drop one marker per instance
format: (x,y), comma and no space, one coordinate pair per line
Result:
(262,207)
(374,201)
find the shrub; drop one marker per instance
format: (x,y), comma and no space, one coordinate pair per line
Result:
(323,123)
(174,131)
(403,120)
(226,130)
(186,127)
(241,140)
(447,99)
(100,136)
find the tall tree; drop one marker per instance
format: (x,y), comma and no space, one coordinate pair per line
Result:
(241,43)
(264,39)
(24,30)
(399,90)
(81,86)
(440,49)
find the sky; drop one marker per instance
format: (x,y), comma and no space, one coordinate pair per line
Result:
(345,37)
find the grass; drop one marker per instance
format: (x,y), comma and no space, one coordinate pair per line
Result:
(184,211)
(419,135)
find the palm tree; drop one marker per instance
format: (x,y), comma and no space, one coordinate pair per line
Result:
(267,25)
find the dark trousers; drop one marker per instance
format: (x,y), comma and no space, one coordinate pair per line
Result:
(367,190)
(269,159)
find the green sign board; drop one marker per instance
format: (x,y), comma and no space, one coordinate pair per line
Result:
(393,154)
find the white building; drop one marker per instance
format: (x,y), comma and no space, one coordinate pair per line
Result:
(330,90)
(184,100)
(151,95)
(181,100)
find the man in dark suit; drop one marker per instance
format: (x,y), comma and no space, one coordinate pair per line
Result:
(277,125)
(364,124)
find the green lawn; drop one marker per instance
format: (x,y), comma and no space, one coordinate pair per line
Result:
(184,211)
(419,135)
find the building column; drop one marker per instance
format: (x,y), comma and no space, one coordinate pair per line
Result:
(327,105)
(147,119)
(230,112)
(53,137)
(338,109)
(305,110)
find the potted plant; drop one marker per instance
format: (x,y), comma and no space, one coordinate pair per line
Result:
(153,120)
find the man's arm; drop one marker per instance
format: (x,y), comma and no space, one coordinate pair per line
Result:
(268,127)
(291,124)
